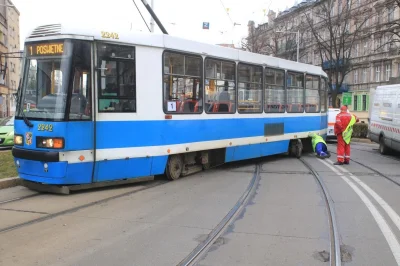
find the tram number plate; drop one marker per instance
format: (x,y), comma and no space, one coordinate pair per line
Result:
(45,127)
(109,35)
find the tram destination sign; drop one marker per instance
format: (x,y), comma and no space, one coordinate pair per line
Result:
(45,49)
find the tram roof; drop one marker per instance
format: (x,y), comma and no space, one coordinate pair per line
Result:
(56,31)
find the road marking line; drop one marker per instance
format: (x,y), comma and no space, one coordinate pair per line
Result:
(379,219)
(389,210)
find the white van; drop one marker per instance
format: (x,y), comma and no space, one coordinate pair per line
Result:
(332,112)
(384,120)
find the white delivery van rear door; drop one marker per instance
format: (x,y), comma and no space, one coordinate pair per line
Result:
(332,112)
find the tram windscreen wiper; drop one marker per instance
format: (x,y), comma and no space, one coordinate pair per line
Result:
(26,120)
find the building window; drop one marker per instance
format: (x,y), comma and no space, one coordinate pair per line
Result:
(220,86)
(117,78)
(388,69)
(356,49)
(355,76)
(366,47)
(355,105)
(183,88)
(364,102)
(274,101)
(378,44)
(377,74)
(390,14)
(398,69)
(365,75)
(249,88)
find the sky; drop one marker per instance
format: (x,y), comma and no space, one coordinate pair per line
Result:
(183,18)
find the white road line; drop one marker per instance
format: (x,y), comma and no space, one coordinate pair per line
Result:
(380,220)
(392,214)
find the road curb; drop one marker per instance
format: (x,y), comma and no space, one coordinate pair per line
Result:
(361,140)
(10,182)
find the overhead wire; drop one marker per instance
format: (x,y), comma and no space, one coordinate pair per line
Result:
(229,16)
(141,15)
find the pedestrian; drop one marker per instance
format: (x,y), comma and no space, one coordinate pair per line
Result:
(319,146)
(343,130)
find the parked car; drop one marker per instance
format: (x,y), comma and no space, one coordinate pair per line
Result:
(7,132)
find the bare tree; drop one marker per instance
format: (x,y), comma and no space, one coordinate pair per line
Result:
(335,30)
(256,41)
(273,40)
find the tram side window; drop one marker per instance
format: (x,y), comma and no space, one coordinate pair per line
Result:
(249,88)
(324,94)
(312,94)
(274,91)
(220,96)
(117,78)
(183,88)
(295,92)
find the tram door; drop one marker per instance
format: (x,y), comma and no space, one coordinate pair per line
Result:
(116,95)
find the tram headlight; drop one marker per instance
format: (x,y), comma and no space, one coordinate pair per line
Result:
(50,143)
(18,140)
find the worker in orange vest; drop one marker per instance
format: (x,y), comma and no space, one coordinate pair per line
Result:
(344,130)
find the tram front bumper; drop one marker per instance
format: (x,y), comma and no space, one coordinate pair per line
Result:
(45,167)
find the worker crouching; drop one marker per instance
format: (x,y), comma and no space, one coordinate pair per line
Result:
(319,146)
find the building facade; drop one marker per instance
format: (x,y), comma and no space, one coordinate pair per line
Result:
(10,62)
(373,52)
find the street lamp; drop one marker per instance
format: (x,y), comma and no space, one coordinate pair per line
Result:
(297,40)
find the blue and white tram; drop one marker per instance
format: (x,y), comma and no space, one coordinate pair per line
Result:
(95,106)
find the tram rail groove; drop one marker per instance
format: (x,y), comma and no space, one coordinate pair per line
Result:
(19,198)
(77,208)
(375,171)
(335,253)
(221,228)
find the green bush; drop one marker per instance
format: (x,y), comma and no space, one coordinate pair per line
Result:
(360,130)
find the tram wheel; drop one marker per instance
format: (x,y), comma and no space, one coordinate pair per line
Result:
(174,167)
(206,166)
(298,151)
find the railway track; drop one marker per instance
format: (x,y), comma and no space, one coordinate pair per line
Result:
(76,208)
(335,254)
(376,171)
(197,254)
(19,198)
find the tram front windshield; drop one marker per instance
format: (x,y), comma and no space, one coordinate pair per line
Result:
(56,75)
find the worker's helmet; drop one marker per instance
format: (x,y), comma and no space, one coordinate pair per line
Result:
(343,108)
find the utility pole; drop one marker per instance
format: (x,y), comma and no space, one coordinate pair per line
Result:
(152,19)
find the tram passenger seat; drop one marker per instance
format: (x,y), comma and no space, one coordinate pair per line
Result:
(221,107)
(188,106)
(312,108)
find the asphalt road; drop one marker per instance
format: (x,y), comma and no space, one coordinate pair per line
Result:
(284,223)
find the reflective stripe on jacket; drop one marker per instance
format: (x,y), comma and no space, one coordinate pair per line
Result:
(348,132)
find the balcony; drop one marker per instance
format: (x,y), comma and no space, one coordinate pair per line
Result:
(344,88)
